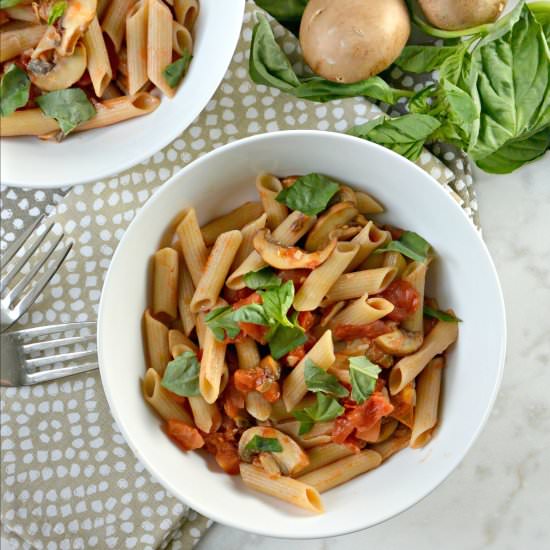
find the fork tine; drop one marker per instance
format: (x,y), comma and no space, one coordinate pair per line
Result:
(12,295)
(24,259)
(38,287)
(60,357)
(18,243)
(54,374)
(50,329)
(58,342)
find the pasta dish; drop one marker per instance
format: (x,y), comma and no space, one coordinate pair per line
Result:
(292,338)
(74,65)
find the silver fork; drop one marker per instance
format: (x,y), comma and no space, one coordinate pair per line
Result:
(17,300)
(27,359)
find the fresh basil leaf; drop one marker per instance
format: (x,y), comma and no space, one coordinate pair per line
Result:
(309,194)
(285,11)
(453,68)
(182,375)
(317,380)
(510,78)
(285,339)
(541,11)
(405,135)
(264,278)
(251,313)
(441,315)
(516,153)
(222,323)
(14,90)
(69,107)
(259,444)
(57,11)
(411,245)
(174,72)
(276,303)
(422,59)
(363,376)
(5,4)
(325,409)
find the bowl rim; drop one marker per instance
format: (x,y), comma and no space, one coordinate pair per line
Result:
(169,135)
(275,531)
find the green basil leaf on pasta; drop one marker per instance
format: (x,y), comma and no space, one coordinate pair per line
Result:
(318,380)
(251,313)
(363,377)
(57,11)
(222,323)
(285,339)
(69,107)
(175,72)
(441,315)
(325,409)
(14,90)
(259,444)
(309,194)
(182,375)
(276,302)
(411,245)
(264,278)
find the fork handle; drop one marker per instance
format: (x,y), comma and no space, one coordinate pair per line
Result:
(54,374)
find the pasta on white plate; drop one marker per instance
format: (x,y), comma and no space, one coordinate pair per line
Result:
(295,370)
(74,65)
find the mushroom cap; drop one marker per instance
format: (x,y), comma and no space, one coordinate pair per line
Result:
(67,71)
(461,14)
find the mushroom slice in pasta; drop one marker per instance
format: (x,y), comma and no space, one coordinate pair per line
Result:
(400,342)
(66,71)
(336,216)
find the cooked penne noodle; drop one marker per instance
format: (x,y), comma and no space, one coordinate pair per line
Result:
(319,281)
(282,487)
(336,473)
(165,283)
(410,366)
(368,239)
(247,245)
(428,388)
(156,337)
(215,271)
(395,259)
(115,19)
(363,311)
(182,40)
(186,289)
(236,219)
(294,386)
(354,285)
(200,326)
(247,353)
(415,275)
(257,406)
(324,454)
(101,7)
(269,187)
(320,433)
(340,367)
(186,12)
(159,45)
(99,66)
(110,92)
(15,42)
(192,244)
(157,397)
(136,46)
(22,13)
(295,226)
(212,365)
(178,343)
(398,441)
(207,417)
(366,204)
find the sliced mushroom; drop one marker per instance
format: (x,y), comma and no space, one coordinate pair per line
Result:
(66,72)
(336,216)
(365,346)
(400,342)
(289,257)
(78,15)
(290,460)
(50,41)
(320,434)
(347,194)
(345,233)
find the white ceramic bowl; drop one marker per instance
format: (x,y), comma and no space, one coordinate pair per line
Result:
(89,156)
(462,277)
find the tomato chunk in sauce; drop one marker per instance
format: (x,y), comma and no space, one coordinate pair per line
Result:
(404,297)
(184,436)
(370,330)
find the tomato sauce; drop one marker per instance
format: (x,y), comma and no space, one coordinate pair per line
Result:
(184,436)
(370,330)
(404,297)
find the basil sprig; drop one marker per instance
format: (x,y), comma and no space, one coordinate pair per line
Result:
(14,90)
(309,194)
(326,408)
(441,315)
(411,245)
(318,380)
(69,107)
(174,72)
(263,278)
(259,444)
(363,376)
(182,375)
(57,11)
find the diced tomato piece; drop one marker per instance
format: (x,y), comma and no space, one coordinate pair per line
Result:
(367,414)
(396,232)
(232,296)
(247,380)
(297,276)
(233,400)
(342,429)
(370,435)
(224,447)
(184,436)
(404,297)
(253,298)
(256,332)
(306,319)
(273,392)
(370,330)
(179,399)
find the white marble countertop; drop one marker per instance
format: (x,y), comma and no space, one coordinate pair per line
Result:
(498,498)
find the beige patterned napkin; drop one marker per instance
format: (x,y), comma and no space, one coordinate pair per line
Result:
(68,478)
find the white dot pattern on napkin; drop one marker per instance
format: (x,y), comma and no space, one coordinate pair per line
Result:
(70,479)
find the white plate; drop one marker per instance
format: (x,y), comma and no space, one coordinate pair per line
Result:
(463,276)
(89,156)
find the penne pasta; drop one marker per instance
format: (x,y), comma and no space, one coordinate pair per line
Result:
(186,289)
(114,22)
(334,474)
(368,239)
(320,433)
(415,275)
(428,389)
(212,365)
(78,15)
(165,283)
(207,417)
(324,454)
(236,219)
(395,259)
(363,311)
(247,245)
(182,41)
(156,336)
(179,343)
(186,12)
(99,66)
(15,42)
(282,487)
(269,187)
(366,204)
(398,441)
(159,45)
(136,46)
(22,13)
(257,406)
(192,244)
